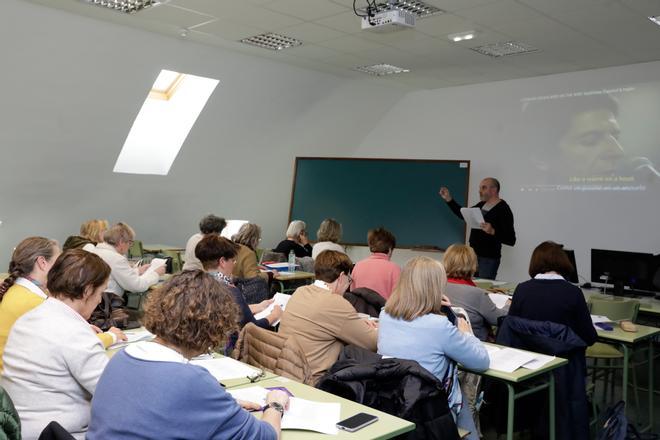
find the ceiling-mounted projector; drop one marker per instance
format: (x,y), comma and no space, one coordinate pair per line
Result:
(388,21)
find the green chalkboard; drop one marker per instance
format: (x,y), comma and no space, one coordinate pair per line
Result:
(400,195)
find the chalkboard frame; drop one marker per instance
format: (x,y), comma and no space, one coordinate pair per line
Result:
(421,248)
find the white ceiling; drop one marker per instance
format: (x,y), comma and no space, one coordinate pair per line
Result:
(572,35)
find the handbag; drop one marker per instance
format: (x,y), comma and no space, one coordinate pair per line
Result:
(111,312)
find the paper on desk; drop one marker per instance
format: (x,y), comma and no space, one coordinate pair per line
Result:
(155,264)
(509,359)
(473,217)
(539,361)
(225,368)
(595,319)
(280,299)
(499,299)
(133,336)
(301,414)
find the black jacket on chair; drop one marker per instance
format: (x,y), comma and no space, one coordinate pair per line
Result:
(399,387)
(365,300)
(571,406)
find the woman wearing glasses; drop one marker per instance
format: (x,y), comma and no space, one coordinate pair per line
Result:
(150,390)
(322,320)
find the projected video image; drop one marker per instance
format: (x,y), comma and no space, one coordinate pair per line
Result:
(599,140)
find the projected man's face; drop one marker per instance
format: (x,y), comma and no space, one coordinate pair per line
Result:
(590,147)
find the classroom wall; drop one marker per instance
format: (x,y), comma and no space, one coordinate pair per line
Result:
(72,86)
(480,123)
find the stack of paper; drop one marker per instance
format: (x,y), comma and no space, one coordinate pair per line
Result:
(133,336)
(225,368)
(473,217)
(280,299)
(301,414)
(509,359)
(499,299)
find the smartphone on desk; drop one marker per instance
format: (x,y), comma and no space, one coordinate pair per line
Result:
(356,422)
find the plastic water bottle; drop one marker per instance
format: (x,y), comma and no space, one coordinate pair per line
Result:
(292,261)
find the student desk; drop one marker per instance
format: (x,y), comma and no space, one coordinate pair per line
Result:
(627,341)
(297,275)
(522,375)
(160,248)
(387,426)
(648,305)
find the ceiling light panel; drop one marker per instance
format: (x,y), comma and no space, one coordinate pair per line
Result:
(381,69)
(272,41)
(127,6)
(497,50)
(420,9)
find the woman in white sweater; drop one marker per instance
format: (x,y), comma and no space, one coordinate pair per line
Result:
(53,359)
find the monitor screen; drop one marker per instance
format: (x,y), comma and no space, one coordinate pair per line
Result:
(627,269)
(573,276)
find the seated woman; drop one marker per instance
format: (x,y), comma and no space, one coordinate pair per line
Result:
(150,390)
(53,360)
(460,262)
(117,240)
(91,233)
(322,320)
(411,326)
(218,256)
(377,272)
(210,224)
(25,288)
(549,297)
(327,237)
(296,241)
(247,238)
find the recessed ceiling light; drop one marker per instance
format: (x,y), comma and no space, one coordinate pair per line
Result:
(461,36)
(655,19)
(272,41)
(504,49)
(420,9)
(381,69)
(127,6)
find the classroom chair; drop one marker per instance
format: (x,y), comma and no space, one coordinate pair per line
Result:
(136,250)
(616,310)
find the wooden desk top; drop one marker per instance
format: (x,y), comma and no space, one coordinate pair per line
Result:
(618,335)
(297,275)
(387,426)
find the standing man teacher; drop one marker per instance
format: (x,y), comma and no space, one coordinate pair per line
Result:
(496,230)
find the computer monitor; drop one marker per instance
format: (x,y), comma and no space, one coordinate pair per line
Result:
(622,269)
(573,276)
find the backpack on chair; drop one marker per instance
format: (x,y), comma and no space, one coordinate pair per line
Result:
(110,312)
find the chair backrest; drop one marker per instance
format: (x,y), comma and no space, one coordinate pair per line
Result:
(269,255)
(10,424)
(136,250)
(177,263)
(615,309)
(306,264)
(55,431)
(272,352)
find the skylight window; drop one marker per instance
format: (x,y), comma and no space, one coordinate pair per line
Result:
(163,123)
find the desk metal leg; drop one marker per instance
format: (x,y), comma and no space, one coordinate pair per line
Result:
(509,416)
(551,401)
(626,362)
(650,386)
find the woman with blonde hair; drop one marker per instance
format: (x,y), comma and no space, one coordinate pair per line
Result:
(247,238)
(296,240)
(151,390)
(327,237)
(461,264)
(412,326)
(91,233)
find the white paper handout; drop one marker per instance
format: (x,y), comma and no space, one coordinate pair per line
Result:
(509,359)
(539,361)
(499,299)
(155,264)
(595,319)
(133,336)
(280,299)
(302,413)
(225,368)
(473,217)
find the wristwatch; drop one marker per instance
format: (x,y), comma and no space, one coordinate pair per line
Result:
(276,406)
